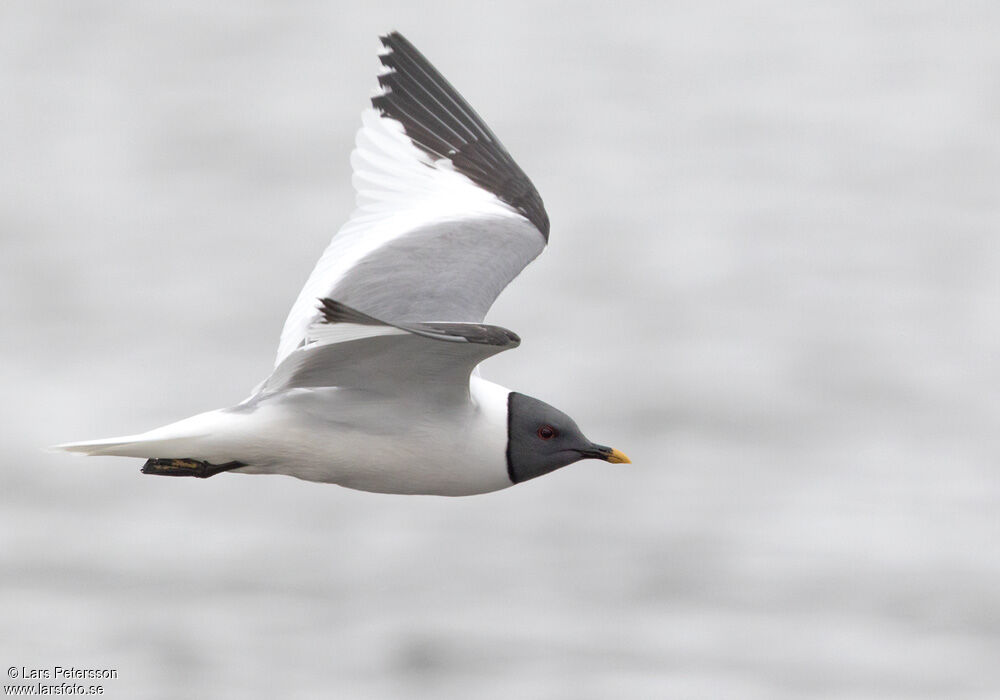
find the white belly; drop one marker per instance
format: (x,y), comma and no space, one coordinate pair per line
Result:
(376,444)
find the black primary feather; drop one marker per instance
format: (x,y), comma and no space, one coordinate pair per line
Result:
(478,333)
(439,121)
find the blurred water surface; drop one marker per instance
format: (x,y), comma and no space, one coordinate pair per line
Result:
(772,281)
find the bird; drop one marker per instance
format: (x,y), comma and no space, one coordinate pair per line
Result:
(376,383)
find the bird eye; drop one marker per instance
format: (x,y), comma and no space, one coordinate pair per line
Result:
(547,432)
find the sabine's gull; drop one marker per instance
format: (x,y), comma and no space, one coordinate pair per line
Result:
(375,385)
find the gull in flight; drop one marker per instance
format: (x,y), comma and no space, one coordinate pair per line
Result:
(375,385)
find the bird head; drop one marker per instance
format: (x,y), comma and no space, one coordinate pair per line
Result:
(541,439)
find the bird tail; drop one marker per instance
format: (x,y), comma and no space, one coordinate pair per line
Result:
(183,439)
(184,448)
(140,446)
(124,446)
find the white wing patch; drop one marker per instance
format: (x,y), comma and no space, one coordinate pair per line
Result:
(400,190)
(330,333)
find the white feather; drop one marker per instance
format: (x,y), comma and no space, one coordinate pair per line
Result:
(401,191)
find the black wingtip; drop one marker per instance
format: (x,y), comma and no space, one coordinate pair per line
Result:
(480,334)
(393,36)
(440,122)
(336,312)
(477,333)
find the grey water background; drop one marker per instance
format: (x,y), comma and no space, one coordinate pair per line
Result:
(772,281)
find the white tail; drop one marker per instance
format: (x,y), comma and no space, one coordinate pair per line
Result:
(124,446)
(180,439)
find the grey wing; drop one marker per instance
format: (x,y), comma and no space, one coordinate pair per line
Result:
(445,218)
(347,348)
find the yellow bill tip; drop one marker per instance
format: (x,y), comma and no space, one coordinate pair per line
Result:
(618,457)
